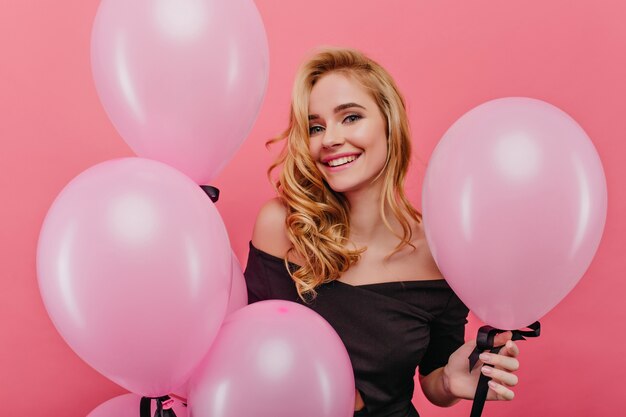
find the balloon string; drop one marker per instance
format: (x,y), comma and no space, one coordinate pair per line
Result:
(163,406)
(485,341)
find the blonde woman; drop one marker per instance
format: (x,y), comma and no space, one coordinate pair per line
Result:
(342,238)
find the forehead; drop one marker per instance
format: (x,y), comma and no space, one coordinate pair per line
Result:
(337,88)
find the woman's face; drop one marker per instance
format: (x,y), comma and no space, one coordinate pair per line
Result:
(348,133)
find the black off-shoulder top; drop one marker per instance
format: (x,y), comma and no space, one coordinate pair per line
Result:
(389,329)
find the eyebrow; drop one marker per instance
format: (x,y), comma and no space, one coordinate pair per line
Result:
(338,109)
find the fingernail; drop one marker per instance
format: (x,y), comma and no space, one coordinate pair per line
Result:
(485,357)
(486,370)
(492,384)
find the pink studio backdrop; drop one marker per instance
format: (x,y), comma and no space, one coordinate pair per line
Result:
(448,56)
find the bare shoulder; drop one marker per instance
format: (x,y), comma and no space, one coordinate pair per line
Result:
(269,233)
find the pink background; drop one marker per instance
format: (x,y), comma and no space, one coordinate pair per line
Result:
(448,56)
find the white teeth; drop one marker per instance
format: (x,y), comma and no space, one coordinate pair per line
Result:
(341,161)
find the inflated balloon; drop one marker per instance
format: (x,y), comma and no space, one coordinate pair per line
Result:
(284,359)
(238,299)
(127,405)
(181,80)
(514,206)
(239,290)
(134,267)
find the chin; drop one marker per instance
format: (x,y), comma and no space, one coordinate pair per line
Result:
(342,187)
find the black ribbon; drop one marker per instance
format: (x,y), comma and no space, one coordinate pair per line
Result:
(163,407)
(212,192)
(484,341)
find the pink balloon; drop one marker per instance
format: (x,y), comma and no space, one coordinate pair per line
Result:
(134,268)
(127,405)
(238,299)
(238,290)
(514,206)
(274,359)
(181,80)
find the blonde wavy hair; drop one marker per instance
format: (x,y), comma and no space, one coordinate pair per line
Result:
(318,222)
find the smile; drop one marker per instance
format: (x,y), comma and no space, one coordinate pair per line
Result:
(344,160)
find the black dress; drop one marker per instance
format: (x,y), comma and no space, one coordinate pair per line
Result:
(389,329)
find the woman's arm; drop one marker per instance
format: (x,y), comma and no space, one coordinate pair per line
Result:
(434,389)
(267,235)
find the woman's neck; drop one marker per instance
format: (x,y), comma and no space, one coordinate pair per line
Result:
(366,223)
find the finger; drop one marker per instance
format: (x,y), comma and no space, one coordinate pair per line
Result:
(502,361)
(500,376)
(510,349)
(502,338)
(502,392)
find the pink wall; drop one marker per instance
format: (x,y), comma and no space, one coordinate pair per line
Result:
(447,56)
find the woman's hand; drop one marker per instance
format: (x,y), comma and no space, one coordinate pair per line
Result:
(462,384)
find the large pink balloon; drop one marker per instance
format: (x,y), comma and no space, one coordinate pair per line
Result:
(181,80)
(514,206)
(238,298)
(134,268)
(127,405)
(274,359)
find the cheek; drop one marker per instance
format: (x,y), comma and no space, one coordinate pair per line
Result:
(313,150)
(380,148)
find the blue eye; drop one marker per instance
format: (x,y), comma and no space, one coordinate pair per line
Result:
(352,118)
(313,130)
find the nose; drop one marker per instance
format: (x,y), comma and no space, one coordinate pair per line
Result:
(333,138)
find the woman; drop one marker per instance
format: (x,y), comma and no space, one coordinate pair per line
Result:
(343,239)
